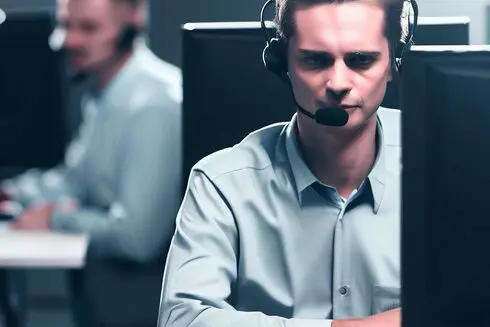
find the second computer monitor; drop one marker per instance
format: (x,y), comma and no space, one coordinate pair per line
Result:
(32,115)
(445,197)
(431,31)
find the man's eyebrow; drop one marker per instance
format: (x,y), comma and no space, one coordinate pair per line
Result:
(313,52)
(365,53)
(325,53)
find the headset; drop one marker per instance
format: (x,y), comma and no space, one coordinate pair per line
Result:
(274,57)
(127,37)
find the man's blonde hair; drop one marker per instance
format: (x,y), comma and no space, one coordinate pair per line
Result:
(396,11)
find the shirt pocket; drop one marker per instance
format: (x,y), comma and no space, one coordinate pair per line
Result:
(385,298)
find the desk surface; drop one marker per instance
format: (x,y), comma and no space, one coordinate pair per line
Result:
(41,249)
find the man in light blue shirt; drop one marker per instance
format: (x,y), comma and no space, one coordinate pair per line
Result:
(299,224)
(120,182)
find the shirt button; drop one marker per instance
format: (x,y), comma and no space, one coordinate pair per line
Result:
(344,290)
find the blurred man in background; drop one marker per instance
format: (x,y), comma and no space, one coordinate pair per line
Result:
(120,181)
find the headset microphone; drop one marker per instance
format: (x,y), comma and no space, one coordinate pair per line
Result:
(56,43)
(334,116)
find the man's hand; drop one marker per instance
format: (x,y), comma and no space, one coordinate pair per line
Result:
(391,318)
(38,218)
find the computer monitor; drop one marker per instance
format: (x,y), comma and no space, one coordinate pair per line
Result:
(227,91)
(445,197)
(31,92)
(431,31)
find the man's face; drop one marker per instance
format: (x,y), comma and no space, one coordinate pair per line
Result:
(339,55)
(92,28)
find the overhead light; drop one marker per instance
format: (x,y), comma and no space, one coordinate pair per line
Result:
(3,16)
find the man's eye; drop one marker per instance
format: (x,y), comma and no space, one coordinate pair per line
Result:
(359,60)
(315,62)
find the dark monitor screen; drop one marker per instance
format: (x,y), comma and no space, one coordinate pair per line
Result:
(431,31)
(228,93)
(445,198)
(31,106)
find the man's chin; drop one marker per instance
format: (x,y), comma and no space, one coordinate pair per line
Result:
(80,63)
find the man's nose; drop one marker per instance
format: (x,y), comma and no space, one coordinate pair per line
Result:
(72,40)
(339,81)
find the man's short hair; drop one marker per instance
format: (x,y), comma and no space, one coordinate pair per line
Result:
(396,12)
(133,3)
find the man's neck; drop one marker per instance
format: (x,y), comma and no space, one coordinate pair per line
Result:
(341,160)
(106,74)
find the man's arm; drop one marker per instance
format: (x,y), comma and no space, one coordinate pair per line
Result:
(201,267)
(140,223)
(63,182)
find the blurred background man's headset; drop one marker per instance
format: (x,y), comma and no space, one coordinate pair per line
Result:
(275,60)
(124,43)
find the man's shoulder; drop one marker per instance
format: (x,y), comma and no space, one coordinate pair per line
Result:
(155,81)
(256,152)
(158,71)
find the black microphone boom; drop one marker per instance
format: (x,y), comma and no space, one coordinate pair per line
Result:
(334,116)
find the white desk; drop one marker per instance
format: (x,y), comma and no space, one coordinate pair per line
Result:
(41,249)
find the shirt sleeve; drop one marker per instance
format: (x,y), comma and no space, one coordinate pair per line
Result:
(63,182)
(201,266)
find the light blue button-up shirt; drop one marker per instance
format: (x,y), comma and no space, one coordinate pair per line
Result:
(260,242)
(124,168)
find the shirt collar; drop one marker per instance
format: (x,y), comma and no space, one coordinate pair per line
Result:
(304,177)
(302,174)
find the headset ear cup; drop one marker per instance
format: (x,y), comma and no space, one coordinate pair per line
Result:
(275,58)
(127,37)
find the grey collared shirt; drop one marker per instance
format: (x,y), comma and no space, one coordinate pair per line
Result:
(260,242)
